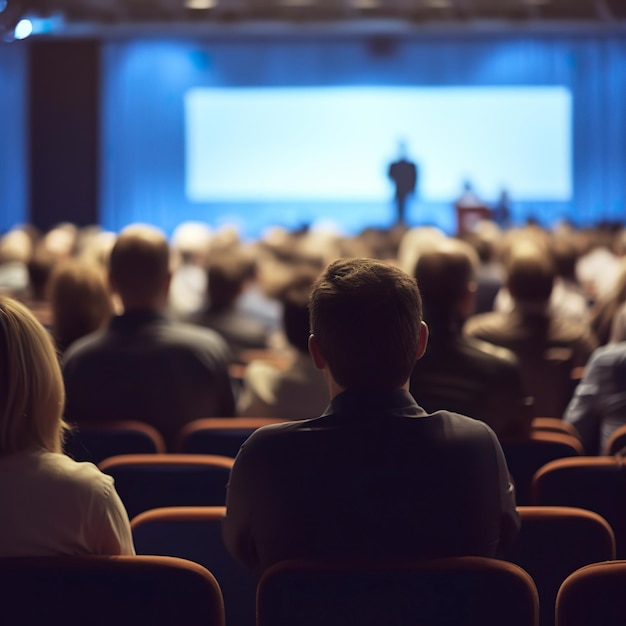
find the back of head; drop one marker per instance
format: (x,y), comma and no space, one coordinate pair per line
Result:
(228,273)
(444,275)
(366,316)
(32,394)
(139,266)
(40,268)
(565,257)
(530,274)
(80,300)
(295,300)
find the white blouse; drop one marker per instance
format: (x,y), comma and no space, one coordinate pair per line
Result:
(52,505)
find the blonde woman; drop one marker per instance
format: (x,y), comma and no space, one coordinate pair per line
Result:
(51,505)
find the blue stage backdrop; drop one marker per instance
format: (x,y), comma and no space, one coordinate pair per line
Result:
(146,82)
(13,122)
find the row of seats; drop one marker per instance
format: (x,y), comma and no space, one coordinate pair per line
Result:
(224,435)
(548,468)
(553,543)
(165,591)
(149,481)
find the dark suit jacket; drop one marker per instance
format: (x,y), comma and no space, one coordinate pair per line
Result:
(146,367)
(472,377)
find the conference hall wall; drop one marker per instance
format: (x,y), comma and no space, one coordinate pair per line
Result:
(298,130)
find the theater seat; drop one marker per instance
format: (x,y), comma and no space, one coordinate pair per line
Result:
(108,590)
(443,592)
(219,435)
(593,596)
(524,457)
(195,533)
(555,541)
(594,483)
(96,441)
(150,481)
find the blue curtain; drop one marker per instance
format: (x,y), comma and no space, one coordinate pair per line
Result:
(13,142)
(145,81)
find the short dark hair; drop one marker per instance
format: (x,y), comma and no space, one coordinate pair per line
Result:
(366,316)
(139,261)
(531,275)
(227,275)
(443,275)
(295,301)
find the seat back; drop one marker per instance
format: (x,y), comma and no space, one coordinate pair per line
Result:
(151,481)
(556,541)
(464,590)
(195,533)
(554,425)
(594,483)
(524,457)
(96,441)
(593,596)
(616,442)
(219,435)
(101,591)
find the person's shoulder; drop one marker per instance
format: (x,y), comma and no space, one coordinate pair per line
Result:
(195,337)
(486,324)
(608,355)
(462,428)
(88,344)
(190,332)
(279,434)
(82,477)
(490,353)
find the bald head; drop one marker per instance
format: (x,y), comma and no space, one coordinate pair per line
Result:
(139,267)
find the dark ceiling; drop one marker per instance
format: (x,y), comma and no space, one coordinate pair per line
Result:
(414,13)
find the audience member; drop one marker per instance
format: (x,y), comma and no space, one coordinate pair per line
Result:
(298,391)
(40,266)
(190,246)
(375,476)
(145,366)
(228,275)
(567,299)
(15,250)
(490,274)
(597,268)
(80,300)
(599,404)
(51,505)
(459,373)
(548,346)
(607,315)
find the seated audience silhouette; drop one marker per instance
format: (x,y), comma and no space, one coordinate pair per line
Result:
(375,476)
(299,390)
(51,505)
(598,407)
(458,373)
(80,301)
(145,366)
(547,345)
(228,273)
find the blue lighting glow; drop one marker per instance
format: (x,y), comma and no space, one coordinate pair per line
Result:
(23,29)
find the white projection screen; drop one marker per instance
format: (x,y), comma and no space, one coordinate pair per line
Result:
(334,144)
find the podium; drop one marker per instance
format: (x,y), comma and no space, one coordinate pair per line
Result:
(467,216)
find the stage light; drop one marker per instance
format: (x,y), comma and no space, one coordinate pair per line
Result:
(3,5)
(23,29)
(199,5)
